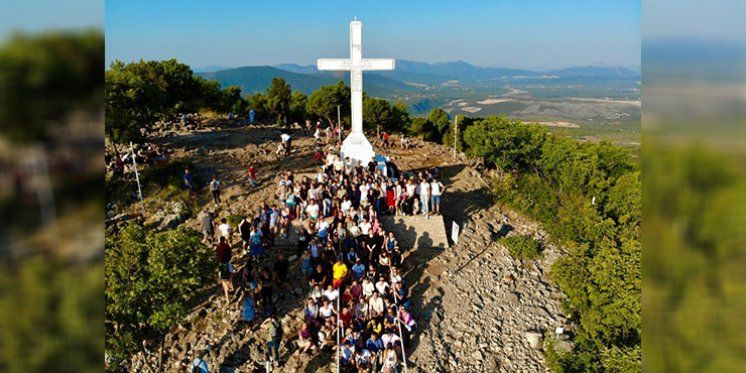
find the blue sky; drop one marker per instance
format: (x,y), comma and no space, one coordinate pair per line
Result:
(526,34)
(40,15)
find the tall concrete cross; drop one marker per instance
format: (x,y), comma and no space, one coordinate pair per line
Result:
(356,146)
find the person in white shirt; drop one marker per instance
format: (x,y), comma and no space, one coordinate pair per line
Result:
(368,288)
(364,192)
(346,204)
(339,164)
(436,189)
(225,230)
(365,227)
(425,197)
(410,190)
(382,286)
(317,133)
(331,294)
(285,144)
(376,306)
(313,210)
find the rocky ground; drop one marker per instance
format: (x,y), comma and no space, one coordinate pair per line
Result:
(478,308)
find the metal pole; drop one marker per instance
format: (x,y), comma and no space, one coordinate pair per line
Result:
(455,135)
(339,122)
(339,346)
(137,176)
(401,335)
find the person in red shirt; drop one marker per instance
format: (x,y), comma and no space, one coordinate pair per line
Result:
(319,155)
(225,269)
(345,317)
(252,176)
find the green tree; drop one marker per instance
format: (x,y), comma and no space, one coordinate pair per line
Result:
(510,145)
(440,119)
(52,316)
(258,102)
(588,198)
(133,101)
(278,99)
(233,101)
(377,112)
(150,278)
(44,76)
(297,109)
(423,128)
(400,119)
(323,102)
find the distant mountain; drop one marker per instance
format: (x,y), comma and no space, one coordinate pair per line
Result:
(211,68)
(597,72)
(254,79)
(425,78)
(466,73)
(300,69)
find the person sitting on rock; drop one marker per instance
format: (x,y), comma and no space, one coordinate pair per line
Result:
(305,339)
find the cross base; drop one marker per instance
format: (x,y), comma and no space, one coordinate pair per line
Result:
(357,147)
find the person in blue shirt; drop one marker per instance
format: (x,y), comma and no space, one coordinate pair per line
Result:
(358,270)
(188,180)
(256,242)
(351,256)
(374,344)
(348,352)
(248,313)
(199,366)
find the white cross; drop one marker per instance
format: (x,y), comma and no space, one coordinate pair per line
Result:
(356,64)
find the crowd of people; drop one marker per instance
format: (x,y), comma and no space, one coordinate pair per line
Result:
(144,154)
(357,302)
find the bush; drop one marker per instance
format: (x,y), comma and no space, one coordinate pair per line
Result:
(588,198)
(150,278)
(522,247)
(234,219)
(52,313)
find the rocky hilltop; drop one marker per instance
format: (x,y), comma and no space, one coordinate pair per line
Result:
(478,308)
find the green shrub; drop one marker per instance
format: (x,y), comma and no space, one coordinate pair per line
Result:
(234,219)
(522,247)
(588,198)
(150,278)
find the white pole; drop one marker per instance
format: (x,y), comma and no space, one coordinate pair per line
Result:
(455,134)
(401,335)
(137,176)
(339,122)
(339,347)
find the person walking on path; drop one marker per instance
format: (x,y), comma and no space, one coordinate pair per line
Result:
(215,189)
(225,268)
(272,337)
(208,222)
(189,181)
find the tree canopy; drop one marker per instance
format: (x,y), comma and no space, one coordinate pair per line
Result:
(323,102)
(150,277)
(588,197)
(42,77)
(279,95)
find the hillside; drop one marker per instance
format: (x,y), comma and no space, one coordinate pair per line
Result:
(598,102)
(475,304)
(254,79)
